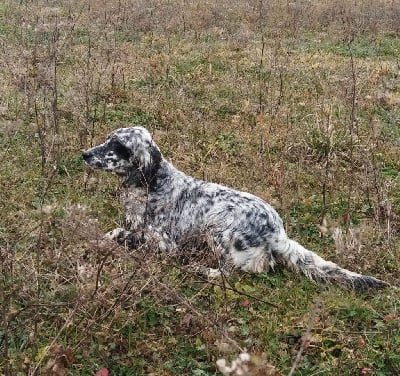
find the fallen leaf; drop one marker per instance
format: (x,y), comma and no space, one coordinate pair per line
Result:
(390,317)
(360,342)
(59,359)
(102,372)
(366,370)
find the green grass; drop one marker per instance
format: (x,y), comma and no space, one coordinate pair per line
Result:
(383,46)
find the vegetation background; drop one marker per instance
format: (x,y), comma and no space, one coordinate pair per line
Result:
(294,101)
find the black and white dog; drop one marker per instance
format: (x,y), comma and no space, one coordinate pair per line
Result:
(167,207)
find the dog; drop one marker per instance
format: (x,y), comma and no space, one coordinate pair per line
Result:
(167,207)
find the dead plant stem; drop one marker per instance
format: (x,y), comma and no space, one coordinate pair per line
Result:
(305,337)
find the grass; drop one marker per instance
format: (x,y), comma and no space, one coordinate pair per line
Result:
(296,103)
(382,47)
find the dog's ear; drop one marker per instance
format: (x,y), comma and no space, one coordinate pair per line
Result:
(151,160)
(145,156)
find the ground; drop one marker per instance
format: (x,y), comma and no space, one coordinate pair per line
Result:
(296,102)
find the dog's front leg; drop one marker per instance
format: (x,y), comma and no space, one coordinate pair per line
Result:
(134,239)
(151,237)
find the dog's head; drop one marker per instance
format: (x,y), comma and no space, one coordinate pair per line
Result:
(129,152)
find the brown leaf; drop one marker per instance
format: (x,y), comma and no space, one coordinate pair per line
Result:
(60,358)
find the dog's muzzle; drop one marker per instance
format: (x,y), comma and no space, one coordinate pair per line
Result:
(91,160)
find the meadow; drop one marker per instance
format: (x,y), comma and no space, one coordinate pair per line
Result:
(297,102)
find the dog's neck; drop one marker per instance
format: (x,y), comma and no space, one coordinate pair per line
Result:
(149,179)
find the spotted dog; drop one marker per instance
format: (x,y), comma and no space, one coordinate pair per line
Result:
(166,206)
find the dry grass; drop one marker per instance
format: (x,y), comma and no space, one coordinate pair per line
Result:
(297,102)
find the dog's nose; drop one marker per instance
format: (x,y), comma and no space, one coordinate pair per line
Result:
(86,155)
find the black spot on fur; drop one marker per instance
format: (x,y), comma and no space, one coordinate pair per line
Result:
(120,149)
(239,244)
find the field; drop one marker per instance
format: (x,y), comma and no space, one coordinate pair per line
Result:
(297,102)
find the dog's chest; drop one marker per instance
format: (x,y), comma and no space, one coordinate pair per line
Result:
(135,203)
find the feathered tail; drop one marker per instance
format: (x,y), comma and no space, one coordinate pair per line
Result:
(317,269)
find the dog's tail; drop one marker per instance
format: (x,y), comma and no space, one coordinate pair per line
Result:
(319,270)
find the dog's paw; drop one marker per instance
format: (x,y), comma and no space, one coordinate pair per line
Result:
(212,273)
(208,273)
(117,234)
